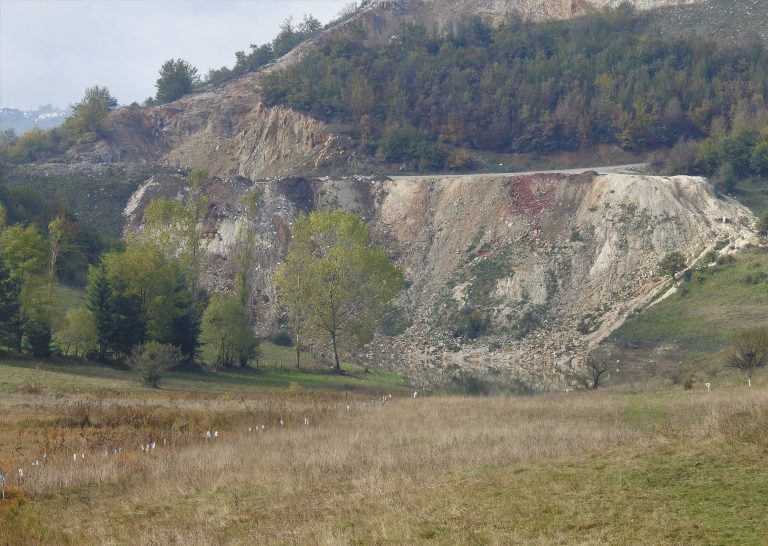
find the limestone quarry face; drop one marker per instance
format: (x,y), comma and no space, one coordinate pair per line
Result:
(554,262)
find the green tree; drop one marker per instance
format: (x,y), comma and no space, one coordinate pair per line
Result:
(10,307)
(173,226)
(347,282)
(38,336)
(672,263)
(151,359)
(762,224)
(25,253)
(244,253)
(78,333)
(226,332)
(290,280)
(91,113)
(177,78)
(137,295)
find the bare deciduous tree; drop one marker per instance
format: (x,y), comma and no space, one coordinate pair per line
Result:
(594,370)
(749,350)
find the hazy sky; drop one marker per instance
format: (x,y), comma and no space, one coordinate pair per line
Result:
(51,50)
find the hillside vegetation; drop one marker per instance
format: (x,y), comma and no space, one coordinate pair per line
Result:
(612,77)
(689,329)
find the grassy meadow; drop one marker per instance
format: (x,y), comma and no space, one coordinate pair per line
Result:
(688,330)
(642,463)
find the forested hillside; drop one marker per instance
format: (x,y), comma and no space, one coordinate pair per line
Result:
(611,77)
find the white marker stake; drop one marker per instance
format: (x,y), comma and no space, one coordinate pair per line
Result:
(707,385)
(2,485)
(749,382)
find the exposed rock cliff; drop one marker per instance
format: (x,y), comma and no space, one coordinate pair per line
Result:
(551,262)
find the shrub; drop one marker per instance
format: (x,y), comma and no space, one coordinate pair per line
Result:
(282,338)
(749,350)
(151,359)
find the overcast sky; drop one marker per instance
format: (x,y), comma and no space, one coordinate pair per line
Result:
(51,50)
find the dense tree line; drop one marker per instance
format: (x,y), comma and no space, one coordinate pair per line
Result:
(289,36)
(142,296)
(726,155)
(523,87)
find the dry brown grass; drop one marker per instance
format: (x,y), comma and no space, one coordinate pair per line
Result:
(361,475)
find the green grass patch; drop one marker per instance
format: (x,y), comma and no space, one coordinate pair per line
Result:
(80,376)
(754,194)
(680,495)
(702,318)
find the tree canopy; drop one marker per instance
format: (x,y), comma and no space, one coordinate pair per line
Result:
(90,114)
(341,282)
(609,77)
(177,78)
(672,263)
(226,332)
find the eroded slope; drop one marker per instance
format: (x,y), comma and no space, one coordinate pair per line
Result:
(514,274)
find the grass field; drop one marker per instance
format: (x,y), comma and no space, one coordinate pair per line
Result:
(625,465)
(276,372)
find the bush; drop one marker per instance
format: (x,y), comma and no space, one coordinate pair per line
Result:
(151,359)
(282,338)
(400,143)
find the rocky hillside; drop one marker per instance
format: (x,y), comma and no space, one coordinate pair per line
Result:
(383,16)
(546,265)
